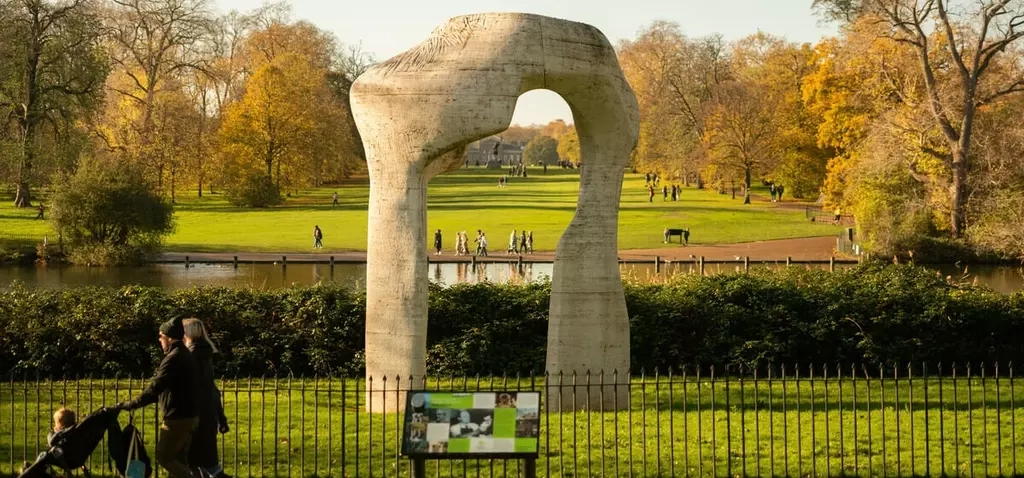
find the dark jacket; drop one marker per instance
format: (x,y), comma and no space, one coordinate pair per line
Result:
(209,395)
(203,449)
(174,385)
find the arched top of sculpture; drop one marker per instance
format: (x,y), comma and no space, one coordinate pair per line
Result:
(454,36)
(462,83)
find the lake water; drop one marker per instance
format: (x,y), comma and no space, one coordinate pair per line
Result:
(269,276)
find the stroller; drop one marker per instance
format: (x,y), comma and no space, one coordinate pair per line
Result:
(70,450)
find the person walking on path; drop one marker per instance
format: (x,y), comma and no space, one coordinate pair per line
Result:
(522,243)
(512,243)
(335,203)
(202,452)
(650,192)
(529,242)
(175,387)
(686,237)
(318,237)
(481,244)
(437,242)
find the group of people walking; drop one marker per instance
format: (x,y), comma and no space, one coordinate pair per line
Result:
(518,243)
(676,192)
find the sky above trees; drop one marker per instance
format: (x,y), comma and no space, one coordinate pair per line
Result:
(388,28)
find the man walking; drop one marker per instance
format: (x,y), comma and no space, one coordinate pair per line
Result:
(481,244)
(174,386)
(335,203)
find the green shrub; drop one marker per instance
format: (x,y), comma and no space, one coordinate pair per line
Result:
(868,314)
(14,255)
(254,190)
(105,255)
(109,214)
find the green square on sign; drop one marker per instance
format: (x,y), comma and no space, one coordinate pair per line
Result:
(526,445)
(450,400)
(504,423)
(458,445)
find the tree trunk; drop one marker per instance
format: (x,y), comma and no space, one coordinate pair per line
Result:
(173,174)
(29,119)
(746,186)
(958,195)
(23,198)
(200,187)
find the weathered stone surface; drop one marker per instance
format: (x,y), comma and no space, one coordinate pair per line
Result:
(416,113)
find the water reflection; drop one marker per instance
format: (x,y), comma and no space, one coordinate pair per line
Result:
(271,276)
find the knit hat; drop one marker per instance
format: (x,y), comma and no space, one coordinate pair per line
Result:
(173,329)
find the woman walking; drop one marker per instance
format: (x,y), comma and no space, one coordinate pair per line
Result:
(202,452)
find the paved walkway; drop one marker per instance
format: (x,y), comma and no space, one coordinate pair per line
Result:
(800,250)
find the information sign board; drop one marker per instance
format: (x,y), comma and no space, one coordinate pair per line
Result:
(501,424)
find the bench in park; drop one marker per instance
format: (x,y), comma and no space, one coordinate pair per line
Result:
(669,233)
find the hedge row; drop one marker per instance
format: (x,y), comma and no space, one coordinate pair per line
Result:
(867,314)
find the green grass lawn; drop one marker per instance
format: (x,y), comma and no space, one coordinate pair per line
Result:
(677,428)
(463,200)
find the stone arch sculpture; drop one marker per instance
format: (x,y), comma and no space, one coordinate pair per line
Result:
(416,113)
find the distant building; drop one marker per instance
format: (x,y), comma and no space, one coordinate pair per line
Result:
(481,152)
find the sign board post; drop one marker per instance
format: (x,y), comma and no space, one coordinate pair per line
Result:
(496,425)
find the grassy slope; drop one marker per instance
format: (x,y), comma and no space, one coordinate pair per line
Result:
(464,200)
(299,432)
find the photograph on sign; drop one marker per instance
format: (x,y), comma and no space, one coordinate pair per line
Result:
(473,423)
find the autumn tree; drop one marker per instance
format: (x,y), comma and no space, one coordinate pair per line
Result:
(855,81)
(741,132)
(555,129)
(957,53)
(541,150)
(273,122)
(675,79)
(328,71)
(778,68)
(569,146)
(153,44)
(520,133)
(999,195)
(52,69)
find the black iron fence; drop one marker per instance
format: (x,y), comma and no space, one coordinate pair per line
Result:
(806,420)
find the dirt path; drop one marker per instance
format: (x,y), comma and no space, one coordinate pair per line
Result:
(807,249)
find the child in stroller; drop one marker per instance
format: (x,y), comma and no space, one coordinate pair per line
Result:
(71,443)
